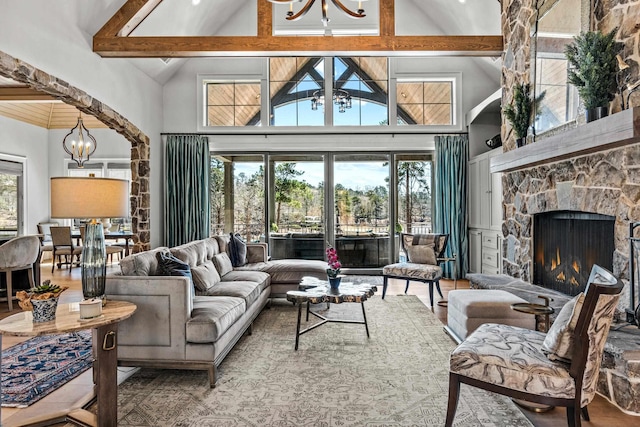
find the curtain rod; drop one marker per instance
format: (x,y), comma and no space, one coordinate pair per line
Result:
(266,135)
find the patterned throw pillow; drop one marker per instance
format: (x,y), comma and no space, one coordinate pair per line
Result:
(558,344)
(237,250)
(169,265)
(223,263)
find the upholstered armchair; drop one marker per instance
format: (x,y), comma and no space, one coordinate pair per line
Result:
(559,368)
(425,253)
(17,254)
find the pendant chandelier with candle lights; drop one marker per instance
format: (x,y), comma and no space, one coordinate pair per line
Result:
(341,98)
(79,143)
(294,16)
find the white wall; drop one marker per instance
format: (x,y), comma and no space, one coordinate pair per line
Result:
(25,140)
(57,38)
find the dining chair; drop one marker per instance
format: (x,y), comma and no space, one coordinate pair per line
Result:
(559,368)
(44,233)
(63,247)
(18,254)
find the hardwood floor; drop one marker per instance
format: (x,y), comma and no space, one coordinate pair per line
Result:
(603,414)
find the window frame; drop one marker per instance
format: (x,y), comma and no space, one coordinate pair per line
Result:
(456,99)
(21,190)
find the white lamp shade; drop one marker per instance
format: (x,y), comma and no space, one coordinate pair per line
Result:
(81,197)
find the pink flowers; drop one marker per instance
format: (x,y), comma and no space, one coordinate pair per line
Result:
(334,263)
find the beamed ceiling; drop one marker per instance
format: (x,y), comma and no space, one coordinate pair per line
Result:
(114,39)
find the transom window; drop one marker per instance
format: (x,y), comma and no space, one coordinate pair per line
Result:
(425,102)
(234,103)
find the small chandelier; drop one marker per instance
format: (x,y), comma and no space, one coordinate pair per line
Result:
(291,16)
(341,98)
(79,146)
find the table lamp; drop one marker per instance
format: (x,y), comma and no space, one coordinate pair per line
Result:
(89,197)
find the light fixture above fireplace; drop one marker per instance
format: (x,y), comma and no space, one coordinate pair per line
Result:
(294,16)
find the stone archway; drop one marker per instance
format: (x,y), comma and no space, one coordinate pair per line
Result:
(23,72)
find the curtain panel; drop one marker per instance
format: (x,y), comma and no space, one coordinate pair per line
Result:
(451,198)
(186,198)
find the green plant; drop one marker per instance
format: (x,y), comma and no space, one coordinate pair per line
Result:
(520,112)
(46,286)
(593,66)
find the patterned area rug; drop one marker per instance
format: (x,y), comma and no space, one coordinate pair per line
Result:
(338,377)
(40,365)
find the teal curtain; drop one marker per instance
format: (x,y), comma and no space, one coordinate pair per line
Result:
(186,198)
(450,197)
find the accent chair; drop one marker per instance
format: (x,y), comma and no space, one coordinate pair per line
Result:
(559,368)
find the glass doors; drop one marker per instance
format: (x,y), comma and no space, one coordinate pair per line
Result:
(300,202)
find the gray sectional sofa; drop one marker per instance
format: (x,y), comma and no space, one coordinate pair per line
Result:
(184,323)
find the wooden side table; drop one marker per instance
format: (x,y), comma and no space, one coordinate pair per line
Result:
(104,331)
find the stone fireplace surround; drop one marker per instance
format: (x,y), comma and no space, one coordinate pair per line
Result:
(593,168)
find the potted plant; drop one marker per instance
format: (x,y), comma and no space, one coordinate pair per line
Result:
(42,300)
(592,70)
(334,267)
(520,112)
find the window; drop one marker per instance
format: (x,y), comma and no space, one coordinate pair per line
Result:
(425,102)
(414,193)
(11,198)
(237,195)
(233,103)
(358,96)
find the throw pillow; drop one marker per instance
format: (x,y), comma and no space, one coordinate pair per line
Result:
(237,250)
(558,344)
(223,263)
(422,254)
(205,276)
(169,265)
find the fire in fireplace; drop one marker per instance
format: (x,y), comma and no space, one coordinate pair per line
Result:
(567,244)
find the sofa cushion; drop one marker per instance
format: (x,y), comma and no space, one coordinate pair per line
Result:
(142,263)
(212,316)
(259,277)
(222,263)
(290,270)
(237,250)
(249,291)
(205,276)
(558,344)
(193,253)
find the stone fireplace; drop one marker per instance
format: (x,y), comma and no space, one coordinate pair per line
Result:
(592,171)
(566,244)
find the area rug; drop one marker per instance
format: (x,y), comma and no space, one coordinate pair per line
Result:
(338,377)
(33,369)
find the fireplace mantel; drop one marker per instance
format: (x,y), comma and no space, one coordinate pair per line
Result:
(616,130)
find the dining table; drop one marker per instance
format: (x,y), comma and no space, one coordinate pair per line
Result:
(127,236)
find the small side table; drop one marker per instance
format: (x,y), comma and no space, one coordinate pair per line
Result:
(454,259)
(536,309)
(105,353)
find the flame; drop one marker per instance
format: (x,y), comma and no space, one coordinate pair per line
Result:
(561,277)
(575,266)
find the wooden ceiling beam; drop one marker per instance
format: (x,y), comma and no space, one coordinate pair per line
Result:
(24,94)
(110,41)
(198,46)
(130,15)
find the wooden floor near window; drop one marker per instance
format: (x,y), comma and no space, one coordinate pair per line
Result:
(603,414)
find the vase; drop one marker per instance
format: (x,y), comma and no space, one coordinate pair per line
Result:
(44,310)
(334,282)
(520,142)
(596,113)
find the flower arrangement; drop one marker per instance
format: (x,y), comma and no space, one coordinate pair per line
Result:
(333,262)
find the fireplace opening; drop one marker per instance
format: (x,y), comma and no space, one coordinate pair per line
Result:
(567,244)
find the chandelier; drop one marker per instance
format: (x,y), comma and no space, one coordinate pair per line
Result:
(341,98)
(291,16)
(77,145)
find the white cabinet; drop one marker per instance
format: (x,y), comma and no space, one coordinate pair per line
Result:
(485,215)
